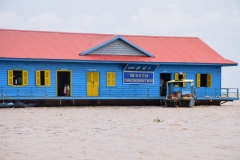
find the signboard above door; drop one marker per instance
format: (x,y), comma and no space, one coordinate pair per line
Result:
(138,77)
(141,67)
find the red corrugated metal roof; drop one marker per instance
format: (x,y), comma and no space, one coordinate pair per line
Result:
(68,46)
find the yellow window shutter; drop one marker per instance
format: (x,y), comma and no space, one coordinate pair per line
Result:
(176,78)
(38,78)
(184,77)
(108,78)
(198,80)
(209,80)
(47,77)
(113,78)
(10,77)
(25,77)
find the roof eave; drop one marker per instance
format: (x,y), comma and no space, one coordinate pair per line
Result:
(104,61)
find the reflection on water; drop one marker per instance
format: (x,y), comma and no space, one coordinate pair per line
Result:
(121,133)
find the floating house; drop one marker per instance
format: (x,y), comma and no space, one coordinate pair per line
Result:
(107,69)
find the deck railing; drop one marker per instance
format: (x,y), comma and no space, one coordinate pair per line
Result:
(218,92)
(124,92)
(24,92)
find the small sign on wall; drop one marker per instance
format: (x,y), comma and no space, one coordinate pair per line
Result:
(138,77)
(141,67)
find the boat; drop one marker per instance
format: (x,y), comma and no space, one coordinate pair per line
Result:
(179,96)
(19,105)
(6,105)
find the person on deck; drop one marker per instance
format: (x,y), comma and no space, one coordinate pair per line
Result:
(68,90)
(65,90)
(162,83)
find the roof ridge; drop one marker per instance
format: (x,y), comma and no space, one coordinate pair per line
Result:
(103,34)
(61,32)
(149,36)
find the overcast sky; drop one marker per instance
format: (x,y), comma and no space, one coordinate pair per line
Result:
(216,22)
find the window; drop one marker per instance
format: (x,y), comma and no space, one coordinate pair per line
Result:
(111,78)
(43,78)
(204,80)
(17,77)
(178,76)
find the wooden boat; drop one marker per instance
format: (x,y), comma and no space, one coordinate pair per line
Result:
(6,105)
(19,105)
(180,96)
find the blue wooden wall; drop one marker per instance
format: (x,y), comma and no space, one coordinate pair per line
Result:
(191,72)
(79,78)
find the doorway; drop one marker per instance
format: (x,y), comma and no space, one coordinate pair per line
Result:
(92,83)
(164,77)
(63,77)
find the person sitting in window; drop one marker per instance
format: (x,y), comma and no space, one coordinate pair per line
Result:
(19,81)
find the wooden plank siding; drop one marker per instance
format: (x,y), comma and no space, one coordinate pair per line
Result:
(118,47)
(79,78)
(191,72)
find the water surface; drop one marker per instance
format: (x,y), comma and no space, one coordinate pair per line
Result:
(129,132)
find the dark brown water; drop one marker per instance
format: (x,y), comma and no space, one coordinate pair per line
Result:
(203,132)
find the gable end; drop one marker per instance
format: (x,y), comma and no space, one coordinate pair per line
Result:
(117,46)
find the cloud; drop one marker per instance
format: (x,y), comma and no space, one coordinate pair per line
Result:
(218,19)
(176,19)
(48,19)
(91,22)
(148,19)
(80,23)
(83,20)
(8,19)
(235,17)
